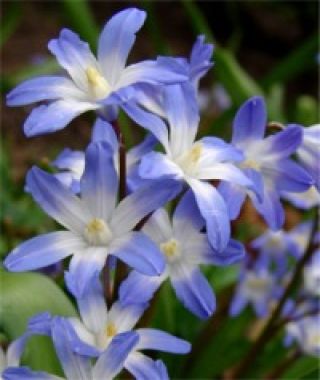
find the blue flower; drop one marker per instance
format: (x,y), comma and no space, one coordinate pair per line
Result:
(305,200)
(71,163)
(305,332)
(189,161)
(184,247)
(266,162)
(257,286)
(96,226)
(309,152)
(109,363)
(90,84)
(99,327)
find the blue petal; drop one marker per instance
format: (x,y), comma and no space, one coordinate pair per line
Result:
(282,144)
(193,290)
(132,209)
(54,116)
(74,366)
(42,251)
(84,266)
(73,55)
(59,202)
(116,41)
(217,150)
(214,210)
(40,324)
(289,176)
(151,72)
(156,165)
(234,197)
(153,339)
(234,252)
(142,367)
(103,131)
(200,58)
(187,215)
(138,288)
(24,373)
(41,88)
(139,252)
(270,209)
(140,150)
(147,120)
(99,183)
(182,111)
(69,160)
(111,361)
(91,303)
(238,303)
(15,350)
(250,121)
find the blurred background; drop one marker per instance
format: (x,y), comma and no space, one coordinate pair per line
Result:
(261,47)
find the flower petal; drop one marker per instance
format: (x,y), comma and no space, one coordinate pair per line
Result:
(132,209)
(158,226)
(43,88)
(282,144)
(234,252)
(187,217)
(250,121)
(193,290)
(99,183)
(138,288)
(84,266)
(15,350)
(183,115)
(42,251)
(144,368)
(238,303)
(216,150)
(91,303)
(150,72)
(111,361)
(287,175)
(57,201)
(103,131)
(74,366)
(74,56)
(234,197)
(116,41)
(23,373)
(125,317)
(54,116)
(214,210)
(156,165)
(139,252)
(153,339)
(270,209)
(147,120)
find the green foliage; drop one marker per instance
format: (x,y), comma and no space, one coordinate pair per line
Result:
(22,296)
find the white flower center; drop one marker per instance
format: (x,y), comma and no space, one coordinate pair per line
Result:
(98,85)
(97,232)
(249,163)
(171,249)
(189,161)
(257,287)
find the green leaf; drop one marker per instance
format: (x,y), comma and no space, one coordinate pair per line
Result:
(306,110)
(23,296)
(10,22)
(302,369)
(298,61)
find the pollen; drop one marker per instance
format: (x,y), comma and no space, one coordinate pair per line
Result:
(98,85)
(111,330)
(195,153)
(97,232)
(171,249)
(250,164)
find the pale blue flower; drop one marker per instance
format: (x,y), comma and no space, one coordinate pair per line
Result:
(305,200)
(191,162)
(91,83)
(185,248)
(11,357)
(96,225)
(266,161)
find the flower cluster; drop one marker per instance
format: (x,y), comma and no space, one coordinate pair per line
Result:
(114,205)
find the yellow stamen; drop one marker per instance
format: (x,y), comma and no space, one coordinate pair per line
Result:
(111,330)
(97,232)
(97,83)
(171,249)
